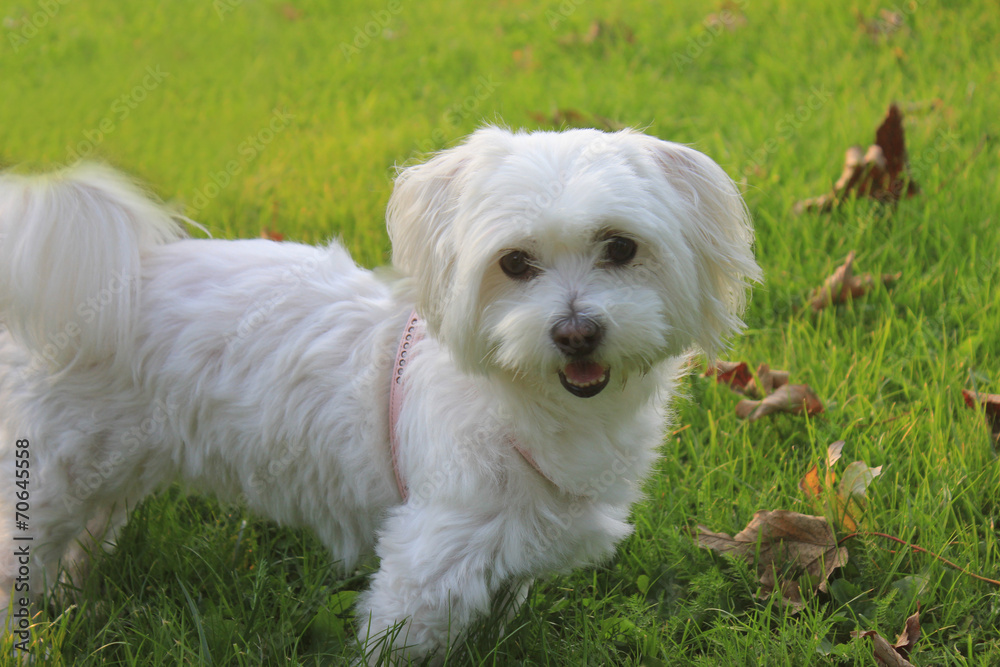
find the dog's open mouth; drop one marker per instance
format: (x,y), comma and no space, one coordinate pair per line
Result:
(584,378)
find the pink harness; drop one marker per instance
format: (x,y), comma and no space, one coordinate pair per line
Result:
(412,333)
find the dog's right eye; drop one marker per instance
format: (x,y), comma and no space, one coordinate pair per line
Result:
(518,265)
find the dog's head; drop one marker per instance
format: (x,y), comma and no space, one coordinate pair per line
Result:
(572,258)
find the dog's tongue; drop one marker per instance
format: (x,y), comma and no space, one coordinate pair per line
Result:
(583,372)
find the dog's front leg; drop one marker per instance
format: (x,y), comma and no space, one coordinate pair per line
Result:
(440,570)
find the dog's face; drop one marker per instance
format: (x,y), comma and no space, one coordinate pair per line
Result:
(572,260)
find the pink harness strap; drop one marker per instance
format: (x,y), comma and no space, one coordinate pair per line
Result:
(412,333)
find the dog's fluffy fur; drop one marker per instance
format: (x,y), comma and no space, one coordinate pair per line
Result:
(132,357)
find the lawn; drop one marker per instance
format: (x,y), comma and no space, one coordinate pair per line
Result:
(264,116)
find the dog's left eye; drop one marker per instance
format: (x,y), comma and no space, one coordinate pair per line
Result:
(619,250)
(518,265)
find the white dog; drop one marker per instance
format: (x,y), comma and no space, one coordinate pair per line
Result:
(560,280)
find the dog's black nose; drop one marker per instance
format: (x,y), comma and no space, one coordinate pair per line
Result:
(577,336)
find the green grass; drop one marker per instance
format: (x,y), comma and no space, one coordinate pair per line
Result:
(191,583)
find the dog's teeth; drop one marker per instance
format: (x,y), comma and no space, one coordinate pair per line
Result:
(592,382)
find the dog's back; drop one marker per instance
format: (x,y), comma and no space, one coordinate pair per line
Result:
(131,357)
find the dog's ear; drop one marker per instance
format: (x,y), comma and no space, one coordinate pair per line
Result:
(421,223)
(717,228)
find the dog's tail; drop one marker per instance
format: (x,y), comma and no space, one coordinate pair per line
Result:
(71,245)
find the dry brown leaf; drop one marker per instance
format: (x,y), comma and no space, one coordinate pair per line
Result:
(885,654)
(891,138)
(848,498)
(851,494)
(886,23)
(612,31)
(990,404)
(773,385)
(895,655)
(857,478)
(767,381)
(911,633)
(270,234)
(792,398)
(525,58)
(836,288)
(833,453)
(789,547)
(734,373)
(739,378)
(880,172)
(600,31)
(290,11)
(560,118)
(811,483)
(730,16)
(608,124)
(842,285)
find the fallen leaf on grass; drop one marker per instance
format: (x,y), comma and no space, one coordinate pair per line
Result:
(879,173)
(848,497)
(792,398)
(886,23)
(737,375)
(560,118)
(834,452)
(990,404)
(857,478)
(270,234)
(769,381)
(911,633)
(290,11)
(895,655)
(811,483)
(734,373)
(791,549)
(525,58)
(609,32)
(842,285)
(730,16)
(772,385)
